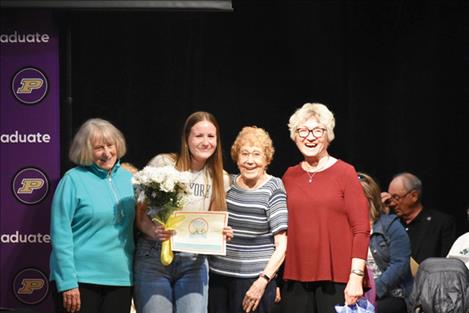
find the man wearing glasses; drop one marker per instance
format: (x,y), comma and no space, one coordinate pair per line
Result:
(431,232)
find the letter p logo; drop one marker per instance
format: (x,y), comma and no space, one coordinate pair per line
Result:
(28,185)
(29,84)
(29,285)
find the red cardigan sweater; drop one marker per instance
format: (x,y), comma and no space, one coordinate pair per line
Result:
(328,223)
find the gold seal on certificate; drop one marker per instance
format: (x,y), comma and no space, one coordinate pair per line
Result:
(200,232)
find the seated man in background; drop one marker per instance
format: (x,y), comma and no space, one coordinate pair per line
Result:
(431,232)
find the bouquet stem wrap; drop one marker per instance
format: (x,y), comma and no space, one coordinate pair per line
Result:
(167,255)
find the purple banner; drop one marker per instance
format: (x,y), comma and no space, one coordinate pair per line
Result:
(29,156)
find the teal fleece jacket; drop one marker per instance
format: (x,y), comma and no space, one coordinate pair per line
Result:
(92,222)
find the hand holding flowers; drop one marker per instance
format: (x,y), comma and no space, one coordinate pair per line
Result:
(165,190)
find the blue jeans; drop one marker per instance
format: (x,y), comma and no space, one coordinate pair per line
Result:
(181,287)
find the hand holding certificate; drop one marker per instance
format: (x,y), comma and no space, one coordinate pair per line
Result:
(200,232)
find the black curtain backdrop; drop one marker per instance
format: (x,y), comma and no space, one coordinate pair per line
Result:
(393,73)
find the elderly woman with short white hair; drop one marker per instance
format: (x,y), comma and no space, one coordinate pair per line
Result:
(92,225)
(328,231)
(242,281)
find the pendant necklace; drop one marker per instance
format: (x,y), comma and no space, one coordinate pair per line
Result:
(312,174)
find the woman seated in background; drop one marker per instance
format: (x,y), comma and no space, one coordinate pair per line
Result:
(242,281)
(389,253)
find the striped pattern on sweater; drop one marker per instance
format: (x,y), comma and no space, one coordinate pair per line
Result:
(255,216)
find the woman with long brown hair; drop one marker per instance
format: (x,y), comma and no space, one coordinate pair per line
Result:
(181,286)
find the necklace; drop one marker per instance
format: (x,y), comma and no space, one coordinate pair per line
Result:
(311,174)
(196,175)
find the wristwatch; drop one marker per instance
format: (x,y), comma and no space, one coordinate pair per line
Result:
(264,275)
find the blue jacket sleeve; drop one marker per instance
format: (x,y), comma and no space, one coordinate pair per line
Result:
(399,252)
(62,266)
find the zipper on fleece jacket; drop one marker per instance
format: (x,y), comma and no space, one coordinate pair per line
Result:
(120,213)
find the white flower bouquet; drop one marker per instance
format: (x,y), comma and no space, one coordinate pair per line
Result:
(165,190)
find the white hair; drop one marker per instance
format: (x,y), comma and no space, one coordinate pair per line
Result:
(312,110)
(81,150)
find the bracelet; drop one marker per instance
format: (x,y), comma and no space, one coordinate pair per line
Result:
(358,272)
(263,275)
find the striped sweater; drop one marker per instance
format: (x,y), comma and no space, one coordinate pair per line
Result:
(255,216)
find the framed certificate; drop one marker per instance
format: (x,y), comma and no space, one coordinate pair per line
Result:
(200,232)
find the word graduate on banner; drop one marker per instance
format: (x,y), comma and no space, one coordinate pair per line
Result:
(29,156)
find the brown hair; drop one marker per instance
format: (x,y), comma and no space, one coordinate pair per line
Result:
(373,194)
(214,163)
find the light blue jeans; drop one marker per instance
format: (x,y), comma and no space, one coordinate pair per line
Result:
(181,287)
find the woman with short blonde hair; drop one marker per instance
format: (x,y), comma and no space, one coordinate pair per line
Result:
(92,220)
(252,135)
(81,152)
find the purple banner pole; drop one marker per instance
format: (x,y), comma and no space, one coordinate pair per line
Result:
(30,155)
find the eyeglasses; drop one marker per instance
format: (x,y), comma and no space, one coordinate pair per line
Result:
(398,198)
(317,132)
(255,155)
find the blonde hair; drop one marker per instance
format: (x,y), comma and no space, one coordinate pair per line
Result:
(254,136)
(132,169)
(373,194)
(214,163)
(312,110)
(81,150)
